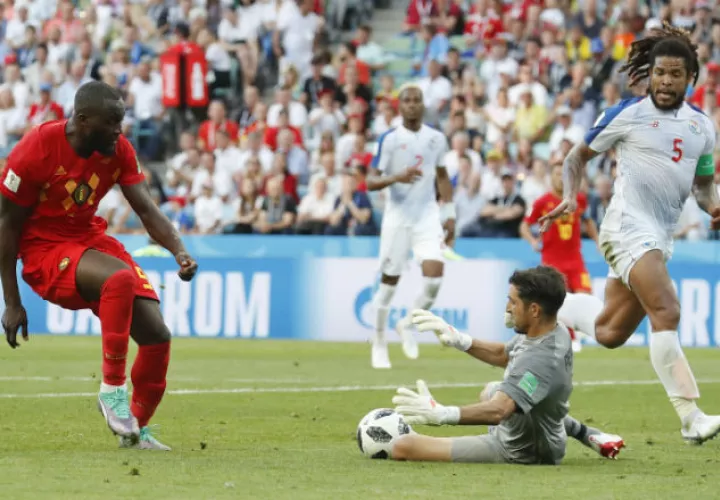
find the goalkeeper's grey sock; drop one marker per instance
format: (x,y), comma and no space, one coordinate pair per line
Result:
(428,294)
(381,300)
(578,430)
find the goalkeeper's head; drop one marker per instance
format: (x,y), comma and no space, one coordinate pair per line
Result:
(535,297)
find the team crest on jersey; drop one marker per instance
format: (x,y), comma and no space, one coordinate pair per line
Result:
(64,263)
(694,127)
(81,194)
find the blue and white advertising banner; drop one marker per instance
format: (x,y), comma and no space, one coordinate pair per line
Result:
(304,296)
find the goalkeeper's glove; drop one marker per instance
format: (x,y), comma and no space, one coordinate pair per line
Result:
(420,408)
(425,321)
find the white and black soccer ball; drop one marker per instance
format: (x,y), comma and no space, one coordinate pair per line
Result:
(377,431)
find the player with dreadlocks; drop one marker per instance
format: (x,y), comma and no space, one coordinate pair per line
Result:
(664,149)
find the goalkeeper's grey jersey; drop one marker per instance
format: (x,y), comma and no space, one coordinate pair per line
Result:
(539,379)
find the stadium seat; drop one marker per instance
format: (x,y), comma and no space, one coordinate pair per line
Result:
(399,46)
(400,68)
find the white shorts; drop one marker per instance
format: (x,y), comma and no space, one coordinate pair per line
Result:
(425,239)
(622,250)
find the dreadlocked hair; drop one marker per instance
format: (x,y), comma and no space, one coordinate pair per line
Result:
(667,41)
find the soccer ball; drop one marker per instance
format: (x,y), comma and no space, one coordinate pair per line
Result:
(377,431)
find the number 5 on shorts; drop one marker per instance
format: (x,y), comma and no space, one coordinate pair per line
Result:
(144,278)
(677,149)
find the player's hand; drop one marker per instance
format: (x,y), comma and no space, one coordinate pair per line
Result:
(420,408)
(567,206)
(409,176)
(715,222)
(425,321)
(536,245)
(14,320)
(188,266)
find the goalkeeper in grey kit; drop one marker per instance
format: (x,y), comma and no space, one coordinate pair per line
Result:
(528,410)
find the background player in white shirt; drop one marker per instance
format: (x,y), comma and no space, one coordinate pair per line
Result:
(665,149)
(409,162)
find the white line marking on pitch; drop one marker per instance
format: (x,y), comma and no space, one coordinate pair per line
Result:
(340,388)
(18,378)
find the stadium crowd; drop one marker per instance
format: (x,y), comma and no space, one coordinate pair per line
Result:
(295,114)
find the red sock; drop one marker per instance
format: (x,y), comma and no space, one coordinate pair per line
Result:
(115,312)
(148,378)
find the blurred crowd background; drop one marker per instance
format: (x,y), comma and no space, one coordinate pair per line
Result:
(300,91)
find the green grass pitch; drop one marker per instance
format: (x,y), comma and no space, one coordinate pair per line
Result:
(276,420)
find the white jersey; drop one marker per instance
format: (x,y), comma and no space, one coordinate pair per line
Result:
(399,149)
(658,153)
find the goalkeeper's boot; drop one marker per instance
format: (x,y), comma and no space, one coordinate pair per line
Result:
(606,445)
(115,408)
(380,359)
(701,428)
(147,442)
(405,329)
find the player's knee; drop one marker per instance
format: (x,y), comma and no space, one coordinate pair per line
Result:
(665,317)
(120,282)
(404,447)
(609,337)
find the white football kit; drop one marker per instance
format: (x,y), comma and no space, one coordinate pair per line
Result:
(412,216)
(658,153)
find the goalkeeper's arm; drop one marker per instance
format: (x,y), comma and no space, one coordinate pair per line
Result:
(492,353)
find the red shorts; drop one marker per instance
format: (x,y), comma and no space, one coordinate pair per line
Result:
(577,277)
(50,268)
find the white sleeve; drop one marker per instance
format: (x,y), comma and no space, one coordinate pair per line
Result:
(443,150)
(381,160)
(610,127)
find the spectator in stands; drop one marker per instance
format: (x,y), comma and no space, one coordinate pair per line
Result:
(491,181)
(245,114)
(496,63)
(207,209)
(296,158)
(186,143)
(368,51)
(500,117)
(20,89)
(283,123)
(228,157)
(34,73)
(468,199)
(44,109)
(297,33)
(600,199)
(526,80)
(328,172)
(297,112)
(610,95)
(531,119)
(352,214)
(353,89)
(437,46)
(86,54)
(387,91)
(218,61)
(253,172)
(145,99)
(347,56)
(217,120)
(419,13)
(238,34)
(278,210)
(345,145)
(501,216)
(536,183)
(454,67)
(13,121)
(327,145)
(317,84)
(221,181)
(325,117)
(460,147)
(360,155)
(246,208)
(70,27)
(387,117)
(280,171)
(707,95)
(256,148)
(564,128)
(437,92)
(315,209)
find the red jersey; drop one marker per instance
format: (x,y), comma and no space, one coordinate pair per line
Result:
(207,131)
(561,243)
(44,171)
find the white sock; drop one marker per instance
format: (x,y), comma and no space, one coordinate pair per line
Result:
(674,372)
(428,294)
(111,388)
(381,300)
(579,312)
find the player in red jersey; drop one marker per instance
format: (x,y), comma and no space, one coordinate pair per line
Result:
(49,192)
(561,243)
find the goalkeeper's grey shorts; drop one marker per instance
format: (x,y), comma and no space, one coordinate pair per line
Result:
(483,449)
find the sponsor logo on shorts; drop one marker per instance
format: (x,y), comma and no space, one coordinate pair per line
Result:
(64,263)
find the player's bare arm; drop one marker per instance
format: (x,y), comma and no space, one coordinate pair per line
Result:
(12,219)
(573,171)
(526,234)
(492,353)
(707,198)
(159,227)
(591,229)
(377,182)
(492,412)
